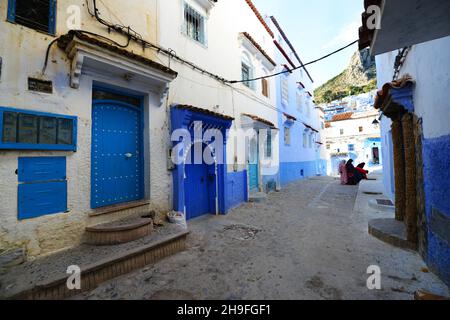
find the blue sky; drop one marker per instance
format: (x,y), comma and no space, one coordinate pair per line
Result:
(317,27)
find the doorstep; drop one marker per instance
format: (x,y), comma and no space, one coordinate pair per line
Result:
(392,232)
(45,278)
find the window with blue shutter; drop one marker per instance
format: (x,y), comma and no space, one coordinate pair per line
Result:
(42,187)
(35,14)
(30,130)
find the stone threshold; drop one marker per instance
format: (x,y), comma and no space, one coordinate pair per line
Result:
(119,207)
(392,232)
(128,258)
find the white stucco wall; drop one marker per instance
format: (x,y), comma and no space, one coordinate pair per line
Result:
(158,22)
(221,55)
(429,65)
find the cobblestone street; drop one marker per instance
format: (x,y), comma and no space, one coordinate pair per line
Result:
(309,241)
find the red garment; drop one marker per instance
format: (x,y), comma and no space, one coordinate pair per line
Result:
(363,172)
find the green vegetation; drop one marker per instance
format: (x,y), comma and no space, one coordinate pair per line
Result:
(358,78)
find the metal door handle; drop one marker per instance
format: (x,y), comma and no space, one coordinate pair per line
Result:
(128,155)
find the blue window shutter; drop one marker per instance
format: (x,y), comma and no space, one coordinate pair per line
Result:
(12,10)
(42,169)
(42,186)
(52,17)
(39,199)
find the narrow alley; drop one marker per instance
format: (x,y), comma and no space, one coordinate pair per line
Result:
(309,241)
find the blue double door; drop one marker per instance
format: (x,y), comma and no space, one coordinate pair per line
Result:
(200,187)
(117,155)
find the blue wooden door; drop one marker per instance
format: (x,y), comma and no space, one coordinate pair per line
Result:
(199,189)
(117,173)
(253,166)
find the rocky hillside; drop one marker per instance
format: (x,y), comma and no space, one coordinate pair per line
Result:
(359,77)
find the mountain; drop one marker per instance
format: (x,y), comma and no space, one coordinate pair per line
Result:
(359,77)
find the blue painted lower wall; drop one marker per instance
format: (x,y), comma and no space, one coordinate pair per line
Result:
(294,171)
(436,158)
(236,190)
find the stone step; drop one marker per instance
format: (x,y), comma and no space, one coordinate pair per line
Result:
(118,232)
(257,197)
(46,278)
(392,232)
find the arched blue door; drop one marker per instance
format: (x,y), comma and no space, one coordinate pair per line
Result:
(117,173)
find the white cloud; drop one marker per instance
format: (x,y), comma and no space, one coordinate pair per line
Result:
(346,35)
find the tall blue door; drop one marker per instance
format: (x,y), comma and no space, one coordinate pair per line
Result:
(253,165)
(200,186)
(117,171)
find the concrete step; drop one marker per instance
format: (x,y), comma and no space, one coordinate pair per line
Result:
(257,197)
(46,278)
(118,232)
(392,232)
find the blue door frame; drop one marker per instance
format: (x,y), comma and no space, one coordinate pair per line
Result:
(182,119)
(117,157)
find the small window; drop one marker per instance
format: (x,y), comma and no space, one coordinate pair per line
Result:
(361,129)
(328,146)
(308,108)
(285,91)
(265,87)
(342,132)
(34,14)
(26,130)
(299,102)
(305,140)
(351,147)
(194,24)
(287,136)
(269,144)
(246,74)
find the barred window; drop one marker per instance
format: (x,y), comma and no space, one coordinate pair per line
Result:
(194,24)
(35,14)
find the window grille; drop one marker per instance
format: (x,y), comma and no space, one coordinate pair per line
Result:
(34,14)
(194,24)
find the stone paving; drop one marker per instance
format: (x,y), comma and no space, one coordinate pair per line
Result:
(309,241)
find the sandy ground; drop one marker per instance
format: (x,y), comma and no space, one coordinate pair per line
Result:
(309,241)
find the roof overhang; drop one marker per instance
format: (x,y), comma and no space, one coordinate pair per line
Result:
(90,56)
(250,44)
(256,122)
(405,23)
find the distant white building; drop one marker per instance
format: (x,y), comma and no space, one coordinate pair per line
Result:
(353,136)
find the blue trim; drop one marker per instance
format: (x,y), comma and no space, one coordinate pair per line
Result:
(404,97)
(12,11)
(27,146)
(52,15)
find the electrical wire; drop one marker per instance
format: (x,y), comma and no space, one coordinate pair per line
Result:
(297,68)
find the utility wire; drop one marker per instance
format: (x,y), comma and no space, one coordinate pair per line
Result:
(297,68)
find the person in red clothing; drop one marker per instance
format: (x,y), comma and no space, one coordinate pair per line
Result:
(360,169)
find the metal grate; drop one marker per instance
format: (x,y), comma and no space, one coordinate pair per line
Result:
(194,24)
(382,202)
(34,14)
